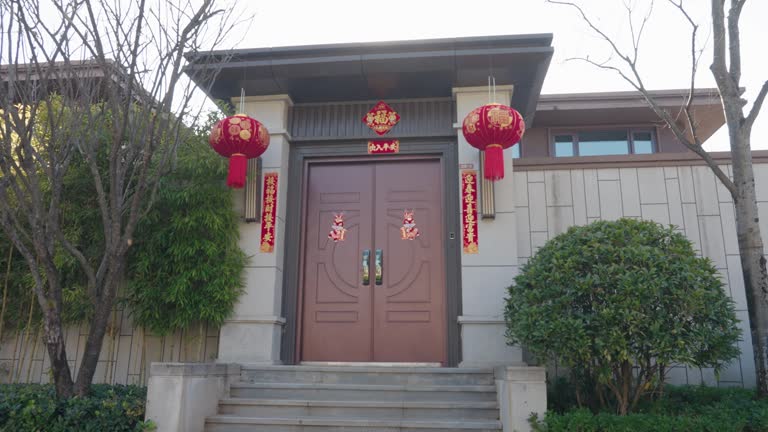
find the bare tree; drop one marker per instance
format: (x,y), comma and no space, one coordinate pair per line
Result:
(726,69)
(100,83)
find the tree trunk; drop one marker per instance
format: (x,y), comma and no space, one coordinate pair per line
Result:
(752,255)
(54,343)
(98,327)
(626,387)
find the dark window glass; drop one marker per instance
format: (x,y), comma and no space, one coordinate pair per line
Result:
(596,143)
(604,142)
(643,142)
(563,145)
(515,151)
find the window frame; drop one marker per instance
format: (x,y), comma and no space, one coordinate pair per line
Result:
(574,133)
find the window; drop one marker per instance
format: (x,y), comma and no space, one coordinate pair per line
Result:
(564,145)
(604,142)
(516,151)
(595,143)
(642,142)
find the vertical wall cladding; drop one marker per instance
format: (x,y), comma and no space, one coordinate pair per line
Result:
(125,357)
(418,118)
(688,197)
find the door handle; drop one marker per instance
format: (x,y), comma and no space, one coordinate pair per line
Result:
(379,266)
(366,270)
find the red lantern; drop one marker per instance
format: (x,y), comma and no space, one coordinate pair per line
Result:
(492,128)
(239,138)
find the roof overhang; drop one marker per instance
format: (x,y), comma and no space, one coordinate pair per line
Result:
(83,80)
(380,70)
(630,108)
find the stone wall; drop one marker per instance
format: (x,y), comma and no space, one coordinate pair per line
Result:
(548,201)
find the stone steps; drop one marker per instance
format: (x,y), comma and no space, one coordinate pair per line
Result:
(358,399)
(221,423)
(414,410)
(366,375)
(304,391)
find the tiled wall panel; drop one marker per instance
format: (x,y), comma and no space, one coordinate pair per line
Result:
(688,197)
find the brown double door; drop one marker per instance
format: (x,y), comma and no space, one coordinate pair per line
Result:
(397,314)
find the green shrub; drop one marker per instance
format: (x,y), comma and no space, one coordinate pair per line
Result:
(34,407)
(681,409)
(186,265)
(561,395)
(616,303)
(582,420)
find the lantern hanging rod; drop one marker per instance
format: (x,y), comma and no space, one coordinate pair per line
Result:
(242,101)
(491,78)
(491,89)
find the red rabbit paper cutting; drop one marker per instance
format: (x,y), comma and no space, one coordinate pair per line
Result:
(337,228)
(409,231)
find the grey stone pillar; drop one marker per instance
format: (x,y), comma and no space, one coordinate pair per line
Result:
(252,334)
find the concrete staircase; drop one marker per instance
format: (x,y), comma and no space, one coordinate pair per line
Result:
(358,399)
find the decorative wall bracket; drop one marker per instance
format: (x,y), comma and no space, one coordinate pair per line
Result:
(487,193)
(252,191)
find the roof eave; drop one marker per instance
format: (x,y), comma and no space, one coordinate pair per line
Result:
(462,61)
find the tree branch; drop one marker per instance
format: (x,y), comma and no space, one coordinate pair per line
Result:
(734,41)
(695,56)
(636,81)
(719,67)
(594,28)
(755,110)
(84,264)
(28,255)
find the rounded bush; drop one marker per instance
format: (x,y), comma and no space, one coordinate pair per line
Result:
(617,300)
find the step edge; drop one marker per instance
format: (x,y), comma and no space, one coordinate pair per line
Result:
(373,387)
(335,421)
(363,369)
(360,404)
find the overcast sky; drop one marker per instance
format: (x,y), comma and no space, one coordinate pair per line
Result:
(664,56)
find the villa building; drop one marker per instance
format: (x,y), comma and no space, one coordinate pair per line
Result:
(350,320)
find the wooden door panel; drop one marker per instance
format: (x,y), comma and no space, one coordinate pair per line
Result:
(341,281)
(402,284)
(415,289)
(409,306)
(336,315)
(401,320)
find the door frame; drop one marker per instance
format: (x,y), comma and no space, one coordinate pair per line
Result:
(304,153)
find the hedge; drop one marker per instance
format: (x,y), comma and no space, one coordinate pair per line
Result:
(34,407)
(680,409)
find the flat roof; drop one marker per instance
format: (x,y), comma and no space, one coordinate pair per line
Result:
(380,70)
(630,108)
